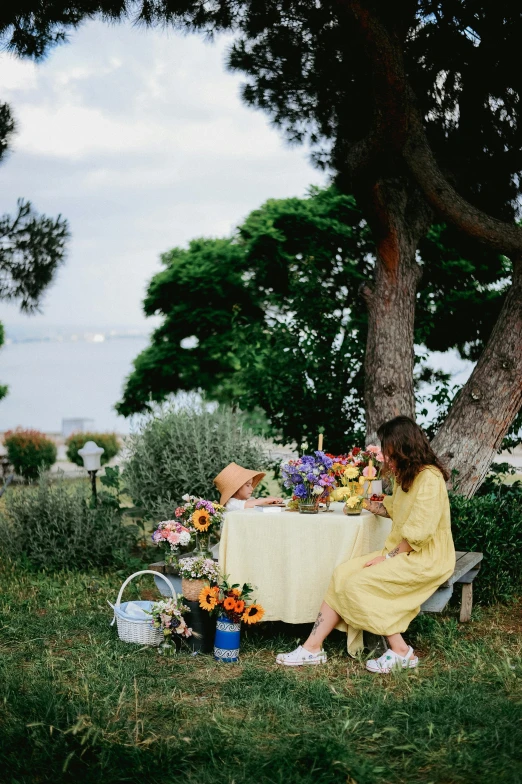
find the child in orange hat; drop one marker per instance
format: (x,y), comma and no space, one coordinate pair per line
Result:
(236,485)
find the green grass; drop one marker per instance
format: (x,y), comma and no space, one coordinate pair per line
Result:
(81,706)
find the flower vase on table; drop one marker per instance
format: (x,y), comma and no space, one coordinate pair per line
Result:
(351,490)
(309,477)
(353,505)
(308,506)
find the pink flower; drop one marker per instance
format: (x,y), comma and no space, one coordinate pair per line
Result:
(380,457)
(179,512)
(373,449)
(371,473)
(165,533)
(173,537)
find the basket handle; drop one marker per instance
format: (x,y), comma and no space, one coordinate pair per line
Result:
(137,574)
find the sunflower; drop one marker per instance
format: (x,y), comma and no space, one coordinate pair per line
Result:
(253,614)
(239,606)
(229,603)
(201,520)
(207,598)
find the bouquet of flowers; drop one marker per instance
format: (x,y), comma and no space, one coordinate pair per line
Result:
(171,535)
(198,568)
(232,602)
(201,517)
(195,572)
(167,615)
(310,477)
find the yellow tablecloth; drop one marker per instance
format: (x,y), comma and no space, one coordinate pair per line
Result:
(290,557)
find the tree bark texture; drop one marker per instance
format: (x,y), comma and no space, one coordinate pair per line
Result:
(398,218)
(486,406)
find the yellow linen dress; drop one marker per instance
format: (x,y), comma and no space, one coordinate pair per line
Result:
(385,598)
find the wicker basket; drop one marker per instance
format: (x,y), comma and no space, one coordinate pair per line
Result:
(138,630)
(192,588)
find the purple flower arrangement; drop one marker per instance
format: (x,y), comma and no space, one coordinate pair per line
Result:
(309,477)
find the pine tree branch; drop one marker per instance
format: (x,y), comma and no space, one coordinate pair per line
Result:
(402,128)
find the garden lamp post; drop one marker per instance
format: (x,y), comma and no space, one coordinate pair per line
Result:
(91,455)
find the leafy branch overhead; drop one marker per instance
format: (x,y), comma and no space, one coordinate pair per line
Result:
(271,318)
(32,247)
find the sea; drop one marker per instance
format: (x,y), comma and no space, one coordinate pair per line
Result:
(62,373)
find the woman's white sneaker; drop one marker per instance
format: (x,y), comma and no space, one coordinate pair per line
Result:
(300,657)
(391,660)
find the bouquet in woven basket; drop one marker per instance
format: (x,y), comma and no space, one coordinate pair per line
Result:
(170,535)
(196,573)
(201,517)
(231,601)
(167,615)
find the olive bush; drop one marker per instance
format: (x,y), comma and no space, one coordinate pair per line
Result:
(179,450)
(56,526)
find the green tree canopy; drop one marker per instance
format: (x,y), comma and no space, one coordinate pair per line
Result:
(271,317)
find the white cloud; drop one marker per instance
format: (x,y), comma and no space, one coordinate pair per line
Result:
(16,75)
(140,139)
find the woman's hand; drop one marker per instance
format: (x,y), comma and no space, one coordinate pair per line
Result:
(376,560)
(375,507)
(269,501)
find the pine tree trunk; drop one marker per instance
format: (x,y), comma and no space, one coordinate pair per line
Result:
(399,218)
(486,406)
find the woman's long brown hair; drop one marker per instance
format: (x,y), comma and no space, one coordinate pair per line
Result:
(406,446)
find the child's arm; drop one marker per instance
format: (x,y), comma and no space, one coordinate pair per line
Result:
(264,501)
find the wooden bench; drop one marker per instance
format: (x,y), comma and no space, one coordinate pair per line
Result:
(466,569)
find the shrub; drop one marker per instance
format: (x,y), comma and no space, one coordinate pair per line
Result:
(29,452)
(54,526)
(109,441)
(492,524)
(181,450)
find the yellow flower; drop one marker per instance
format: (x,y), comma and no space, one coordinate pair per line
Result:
(253,614)
(201,520)
(353,501)
(362,480)
(207,598)
(340,493)
(351,472)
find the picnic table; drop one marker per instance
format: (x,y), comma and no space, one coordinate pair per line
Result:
(290,557)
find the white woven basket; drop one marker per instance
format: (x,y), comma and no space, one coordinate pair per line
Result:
(137,630)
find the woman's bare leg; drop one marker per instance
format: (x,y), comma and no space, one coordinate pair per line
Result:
(326,620)
(397,644)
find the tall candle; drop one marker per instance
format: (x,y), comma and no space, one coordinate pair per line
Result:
(320,442)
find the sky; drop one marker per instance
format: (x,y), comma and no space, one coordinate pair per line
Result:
(140,139)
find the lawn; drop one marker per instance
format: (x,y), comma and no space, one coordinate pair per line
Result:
(79,705)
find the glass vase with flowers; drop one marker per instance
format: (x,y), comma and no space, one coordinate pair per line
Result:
(203,519)
(309,477)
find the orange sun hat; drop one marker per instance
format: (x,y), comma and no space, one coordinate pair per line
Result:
(232,478)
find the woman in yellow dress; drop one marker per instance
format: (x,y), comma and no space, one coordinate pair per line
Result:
(382,592)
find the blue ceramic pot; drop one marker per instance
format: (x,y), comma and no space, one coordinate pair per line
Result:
(226,643)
